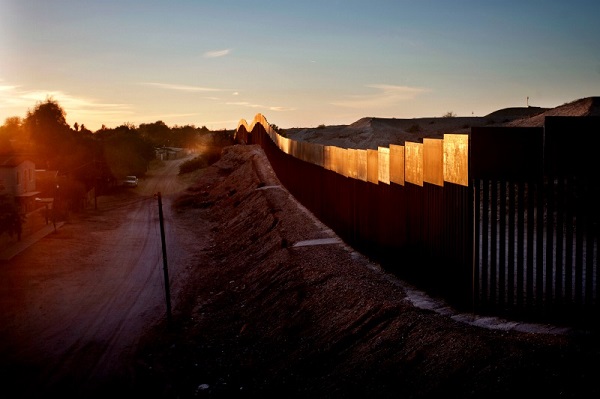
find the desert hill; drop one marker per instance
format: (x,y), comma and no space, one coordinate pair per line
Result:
(589,106)
(371,132)
(509,114)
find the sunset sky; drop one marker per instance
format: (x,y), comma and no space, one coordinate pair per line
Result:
(300,63)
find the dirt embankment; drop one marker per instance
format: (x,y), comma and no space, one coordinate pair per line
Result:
(372,132)
(264,317)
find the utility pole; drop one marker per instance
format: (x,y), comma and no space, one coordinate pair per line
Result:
(164,254)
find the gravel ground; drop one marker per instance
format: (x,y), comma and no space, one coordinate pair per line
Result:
(262,316)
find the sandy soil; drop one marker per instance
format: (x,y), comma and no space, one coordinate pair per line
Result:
(265,317)
(74,305)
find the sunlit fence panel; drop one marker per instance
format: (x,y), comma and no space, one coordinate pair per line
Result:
(397,164)
(413,167)
(383,164)
(501,220)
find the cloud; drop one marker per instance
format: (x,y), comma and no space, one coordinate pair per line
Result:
(8,88)
(270,108)
(68,101)
(15,101)
(14,97)
(168,86)
(245,104)
(282,109)
(217,53)
(170,115)
(387,95)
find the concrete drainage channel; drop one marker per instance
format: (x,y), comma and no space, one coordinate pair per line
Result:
(421,300)
(318,241)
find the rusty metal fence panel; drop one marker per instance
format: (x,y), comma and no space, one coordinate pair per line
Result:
(536,236)
(504,220)
(397,164)
(433,160)
(413,167)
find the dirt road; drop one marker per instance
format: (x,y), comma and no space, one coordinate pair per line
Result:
(73,306)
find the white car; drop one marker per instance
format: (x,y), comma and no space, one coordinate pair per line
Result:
(130,181)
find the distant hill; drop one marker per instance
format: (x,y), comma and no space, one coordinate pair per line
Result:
(371,132)
(589,106)
(509,114)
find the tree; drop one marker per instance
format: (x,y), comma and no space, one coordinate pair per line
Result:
(125,151)
(84,130)
(48,129)
(449,114)
(158,133)
(184,136)
(11,221)
(11,137)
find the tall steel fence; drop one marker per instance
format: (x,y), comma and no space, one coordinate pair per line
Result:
(501,221)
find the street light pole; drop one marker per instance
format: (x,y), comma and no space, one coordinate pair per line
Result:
(54,207)
(164,253)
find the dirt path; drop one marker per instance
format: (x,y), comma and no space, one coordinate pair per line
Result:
(73,306)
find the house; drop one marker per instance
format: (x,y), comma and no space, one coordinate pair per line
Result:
(166,153)
(18,181)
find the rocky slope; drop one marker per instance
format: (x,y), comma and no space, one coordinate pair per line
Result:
(589,106)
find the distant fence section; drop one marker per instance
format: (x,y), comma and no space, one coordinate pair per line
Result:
(501,220)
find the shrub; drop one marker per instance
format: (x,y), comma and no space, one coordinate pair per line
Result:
(204,160)
(414,128)
(11,220)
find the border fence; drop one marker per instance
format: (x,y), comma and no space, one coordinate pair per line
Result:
(501,221)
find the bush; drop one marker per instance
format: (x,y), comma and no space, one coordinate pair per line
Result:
(204,160)
(11,221)
(414,129)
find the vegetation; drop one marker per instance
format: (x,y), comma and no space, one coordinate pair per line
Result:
(201,161)
(449,114)
(86,159)
(416,128)
(279,130)
(10,218)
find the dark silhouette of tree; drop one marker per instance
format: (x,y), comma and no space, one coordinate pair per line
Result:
(184,136)
(49,131)
(84,130)
(11,221)
(11,136)
(125,151)
(157,133)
